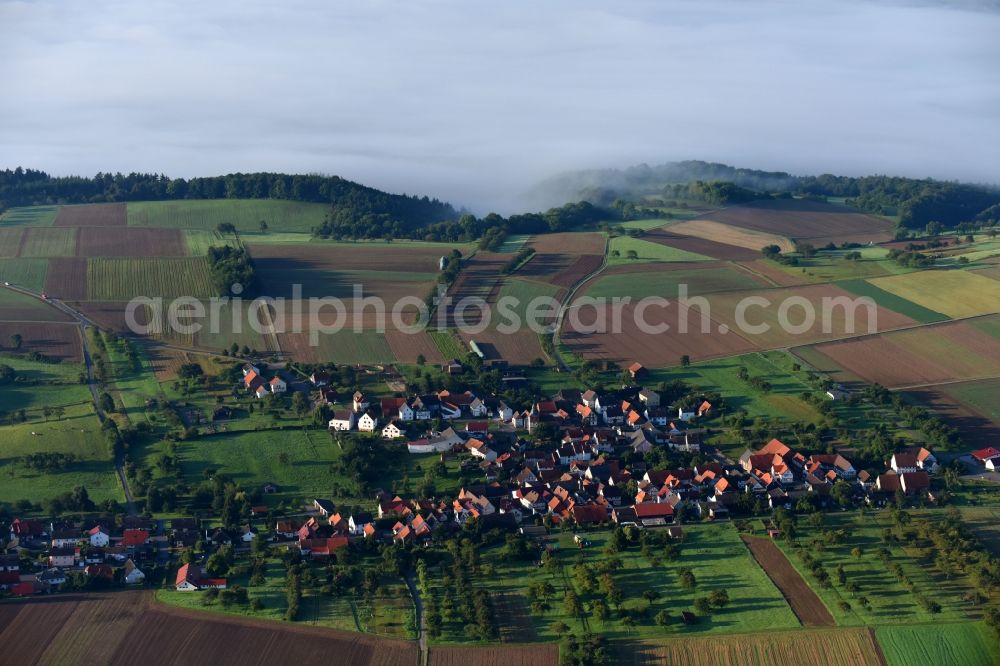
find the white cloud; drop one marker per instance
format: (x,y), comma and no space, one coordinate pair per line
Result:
(473,102)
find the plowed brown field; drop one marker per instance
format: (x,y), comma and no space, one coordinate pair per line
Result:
(508,655)
(67,278)
(704,246)
(131,242)
(57,340)
(92,215)
(805,604)
(568,243)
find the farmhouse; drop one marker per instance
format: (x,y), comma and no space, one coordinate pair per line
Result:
(392,430)
(191,578)
(98,536)
(277,385)
(367,422)
(343,420)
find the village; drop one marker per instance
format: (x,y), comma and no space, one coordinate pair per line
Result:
(578,461)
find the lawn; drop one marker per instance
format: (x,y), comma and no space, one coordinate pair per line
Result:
(124,279)
(954,293)
(50,242)
(32,216)
(245,214)
(647,252)
(891,301)
(449,344)
(77,433)
(666,283)
(28,273)
(938,644)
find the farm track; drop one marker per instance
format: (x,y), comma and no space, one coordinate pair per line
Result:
(570,294)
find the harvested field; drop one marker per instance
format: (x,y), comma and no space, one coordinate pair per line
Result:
(569,243)
(773,272)
(955,293)
(480,278)
(654,350)
(10,241)
(407,346)
(57,340)
(824,647)
(67,278)
(131,242)
(126,628)
(349,256)
(123,279)
(516,626)
(731,235)
(344,346)
(805,604)
(15,306)
(822,301)
(91,215)
(816,222)
(48,242)
(927,355)
(518,348)
(704,246)
(540,654)
(892,301)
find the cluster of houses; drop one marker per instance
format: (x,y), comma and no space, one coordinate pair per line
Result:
(39,557)
(255,383)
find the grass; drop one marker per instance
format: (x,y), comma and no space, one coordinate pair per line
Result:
(524,292)
(722,375)
(990,326)
(244,214)
(647,252)
(50,242)
(124,279)
(77,433)
(448,344)
(32,216)
(10,241)
(713,552)
(938,644)
(42,385)
(390,614)
(29,273)
(951,292)
(666,283)
(646,225)
(891,602)
(983,397)
(891,301)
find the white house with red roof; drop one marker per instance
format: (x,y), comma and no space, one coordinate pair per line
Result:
(191,578)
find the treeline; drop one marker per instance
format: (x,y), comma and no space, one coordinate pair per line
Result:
(351,203)
(518,259)
(231,265)
(716,192)
(468,227)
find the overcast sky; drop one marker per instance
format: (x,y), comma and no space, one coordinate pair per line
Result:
(474,101)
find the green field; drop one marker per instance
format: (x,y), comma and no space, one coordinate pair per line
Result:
(33,216)
(77,433)
(525,291)
(10,241)
(124,279)
(42,385)
(782,401)
(891,301)
(645,225)
(982,396)
(28,273)
(647,252)
(346,346)
(199,240)
(964,644)
(665,284)
(245,214)
(513,243)
(448,344)
(50,242)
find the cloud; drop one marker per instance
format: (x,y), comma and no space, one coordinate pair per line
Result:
(475,102)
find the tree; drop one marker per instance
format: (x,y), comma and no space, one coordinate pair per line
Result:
(628,622)
(300,403)
(719,598)
(106,402)
(226,228)
(421,360)
(703,605)
(685,361)
(263,226)
(663,618)
(572,605)
(16,340)
(632,254)
(559,628)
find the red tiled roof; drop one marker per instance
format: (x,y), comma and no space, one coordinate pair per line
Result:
(135,537)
